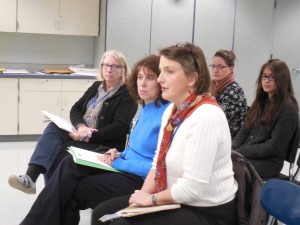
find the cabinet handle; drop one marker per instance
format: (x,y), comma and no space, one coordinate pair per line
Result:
(56,25)
(57,102)
(62,24)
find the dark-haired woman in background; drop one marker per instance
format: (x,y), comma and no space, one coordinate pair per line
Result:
(271,121)
(228,93)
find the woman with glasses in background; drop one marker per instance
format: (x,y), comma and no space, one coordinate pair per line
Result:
(271,121)
(228,93)
(102,117)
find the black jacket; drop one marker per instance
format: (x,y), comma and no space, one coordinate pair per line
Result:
(266,146)
(249,210)
(113,120)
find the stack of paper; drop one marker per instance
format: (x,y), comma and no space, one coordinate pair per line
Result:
(81,70)
(89,158)
(60,122)
(15,71)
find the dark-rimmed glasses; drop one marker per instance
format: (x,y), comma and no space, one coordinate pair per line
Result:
(218,67)
(113,67)
(269,77)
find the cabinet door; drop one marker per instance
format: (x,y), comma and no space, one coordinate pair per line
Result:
(8,15)
(9,109)
(67,101)
(36,95)
(79,17)
(31,119)
(36,16)
(72,90)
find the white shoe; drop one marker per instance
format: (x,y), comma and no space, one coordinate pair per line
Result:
(23,183)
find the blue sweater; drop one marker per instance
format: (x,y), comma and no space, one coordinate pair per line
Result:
(137,157)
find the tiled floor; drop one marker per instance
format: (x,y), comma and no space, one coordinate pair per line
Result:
(14,204)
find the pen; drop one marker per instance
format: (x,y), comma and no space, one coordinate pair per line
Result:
(86,136)
(117,153)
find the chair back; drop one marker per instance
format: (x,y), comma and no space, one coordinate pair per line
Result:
(294,145)
(281,200)
(291,157)
(249,182)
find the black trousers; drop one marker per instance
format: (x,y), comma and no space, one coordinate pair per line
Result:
(225,214)
(72,188)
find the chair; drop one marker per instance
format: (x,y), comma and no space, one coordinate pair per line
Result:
(281,200)
(249,182)
(291,156)
(297,173)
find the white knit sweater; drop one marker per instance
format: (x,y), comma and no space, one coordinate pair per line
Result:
(199,167)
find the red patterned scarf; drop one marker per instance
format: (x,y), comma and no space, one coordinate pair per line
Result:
(177,116)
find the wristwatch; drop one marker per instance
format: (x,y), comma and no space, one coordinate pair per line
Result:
(154,199)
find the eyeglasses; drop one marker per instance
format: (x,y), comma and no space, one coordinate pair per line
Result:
(218,67)
(269,77)
(113,67)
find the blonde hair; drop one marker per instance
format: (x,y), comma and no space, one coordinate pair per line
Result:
(120,59)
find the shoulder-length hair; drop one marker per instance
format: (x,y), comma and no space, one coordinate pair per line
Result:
(284,92)
(120,59)
(149,63)
(192,59)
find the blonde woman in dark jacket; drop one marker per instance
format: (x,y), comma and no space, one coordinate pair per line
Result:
(102,117)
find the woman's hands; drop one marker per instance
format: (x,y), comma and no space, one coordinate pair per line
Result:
(109,156)
(83,133)
(140,198)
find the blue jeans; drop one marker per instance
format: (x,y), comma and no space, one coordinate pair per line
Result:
(48,146)
(51,148)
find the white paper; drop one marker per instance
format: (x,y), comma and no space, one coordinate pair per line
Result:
(88,156)
(60,122)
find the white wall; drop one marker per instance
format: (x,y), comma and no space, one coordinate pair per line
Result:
(32,51)
(286,38)
(138,28)
(141,27)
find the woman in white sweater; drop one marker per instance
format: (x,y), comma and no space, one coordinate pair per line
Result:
(192,165)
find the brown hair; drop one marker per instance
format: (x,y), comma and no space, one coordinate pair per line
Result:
(228,56)
(192,59)
(149,63)
(284,92)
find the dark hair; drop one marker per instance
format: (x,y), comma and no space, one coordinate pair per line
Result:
(192,59)
(284,92)
(149,63)
(228,56)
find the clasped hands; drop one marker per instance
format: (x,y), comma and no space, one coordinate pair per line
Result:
(140,198)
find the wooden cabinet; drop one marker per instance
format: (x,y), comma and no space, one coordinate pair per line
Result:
(8,15)
(69,17)
(56,96)
(9,108)
(37,95)
(72,90)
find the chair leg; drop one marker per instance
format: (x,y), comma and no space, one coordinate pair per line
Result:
(271,220)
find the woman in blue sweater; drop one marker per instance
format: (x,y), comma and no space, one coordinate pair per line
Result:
(73,187)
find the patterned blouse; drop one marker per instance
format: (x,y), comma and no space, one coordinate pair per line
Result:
(234,104)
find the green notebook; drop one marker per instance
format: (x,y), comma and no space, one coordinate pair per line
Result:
(89,158)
